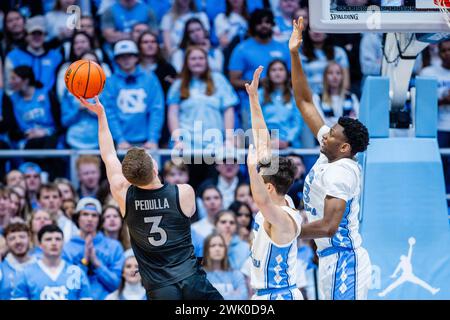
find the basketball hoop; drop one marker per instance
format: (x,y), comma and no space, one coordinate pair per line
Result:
(444,6)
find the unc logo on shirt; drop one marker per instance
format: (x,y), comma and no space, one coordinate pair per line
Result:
(132,100)
(46,62)
(276,54)
(34,114)
(54,293)
(74,279)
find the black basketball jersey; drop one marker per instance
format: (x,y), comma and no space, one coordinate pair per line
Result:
(160,236)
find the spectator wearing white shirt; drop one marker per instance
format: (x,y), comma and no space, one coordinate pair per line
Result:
(232,23)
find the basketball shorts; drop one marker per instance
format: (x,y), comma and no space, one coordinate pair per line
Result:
(344,275)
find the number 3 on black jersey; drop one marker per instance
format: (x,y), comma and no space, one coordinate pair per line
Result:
(155,221)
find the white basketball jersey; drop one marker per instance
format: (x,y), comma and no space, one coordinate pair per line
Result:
(340,179)
(273,265)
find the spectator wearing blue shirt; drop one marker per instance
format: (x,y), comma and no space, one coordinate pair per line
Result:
(52,278)
(134,101)
(35,110)
(228,281)
(278,107)
(17,236)
(283,21)
(152,60)
(44,62)
(232,23)
(81,123)
(195,34)
(316,52)
(36,117)
(258,50)
(335,101)
(100,257)
(118,20)
(172,24)
(238,250)
(214,8)
(200,105)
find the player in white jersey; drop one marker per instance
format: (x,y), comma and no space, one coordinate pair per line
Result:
(331,193)
(273,273)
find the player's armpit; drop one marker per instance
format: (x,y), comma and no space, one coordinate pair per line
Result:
(187,199)
(119,186)
(277,217)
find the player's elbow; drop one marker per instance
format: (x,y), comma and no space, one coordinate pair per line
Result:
(330,230)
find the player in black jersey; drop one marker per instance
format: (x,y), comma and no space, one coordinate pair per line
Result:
(157,216)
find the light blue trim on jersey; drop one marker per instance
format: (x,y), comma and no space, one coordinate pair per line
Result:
(256,226)
(263,292)
(344,287)
(283,253)
(343,230)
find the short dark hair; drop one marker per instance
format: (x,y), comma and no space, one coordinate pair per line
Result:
(284,176)
(137,167)
(49,229)
(18,226)
(356,134)
(48,187)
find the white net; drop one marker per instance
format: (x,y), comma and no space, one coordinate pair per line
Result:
(444,6)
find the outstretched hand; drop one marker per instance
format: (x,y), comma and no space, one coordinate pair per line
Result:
(96,108)
(252,88)
(296,36)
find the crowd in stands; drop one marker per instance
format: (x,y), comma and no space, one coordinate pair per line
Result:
(176,71)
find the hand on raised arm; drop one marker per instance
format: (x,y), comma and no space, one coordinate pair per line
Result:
(252,88)
(296,36)
(97,107)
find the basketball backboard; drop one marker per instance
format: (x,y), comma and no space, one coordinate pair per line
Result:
(353,16)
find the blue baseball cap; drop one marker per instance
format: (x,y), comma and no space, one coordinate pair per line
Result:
(28,166)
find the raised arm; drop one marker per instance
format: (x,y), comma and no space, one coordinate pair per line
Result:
(302,92)
(259,128)
(117,181)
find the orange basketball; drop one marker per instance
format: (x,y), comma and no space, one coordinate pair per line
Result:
(85,78)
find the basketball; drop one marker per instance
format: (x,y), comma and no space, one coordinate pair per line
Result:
(85,78)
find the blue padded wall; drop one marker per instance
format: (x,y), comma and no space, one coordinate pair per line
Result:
(404,213)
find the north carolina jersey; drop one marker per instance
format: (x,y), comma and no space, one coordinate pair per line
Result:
(339,179)
(344,266)
(273,266)
(9,270)
(37,282)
